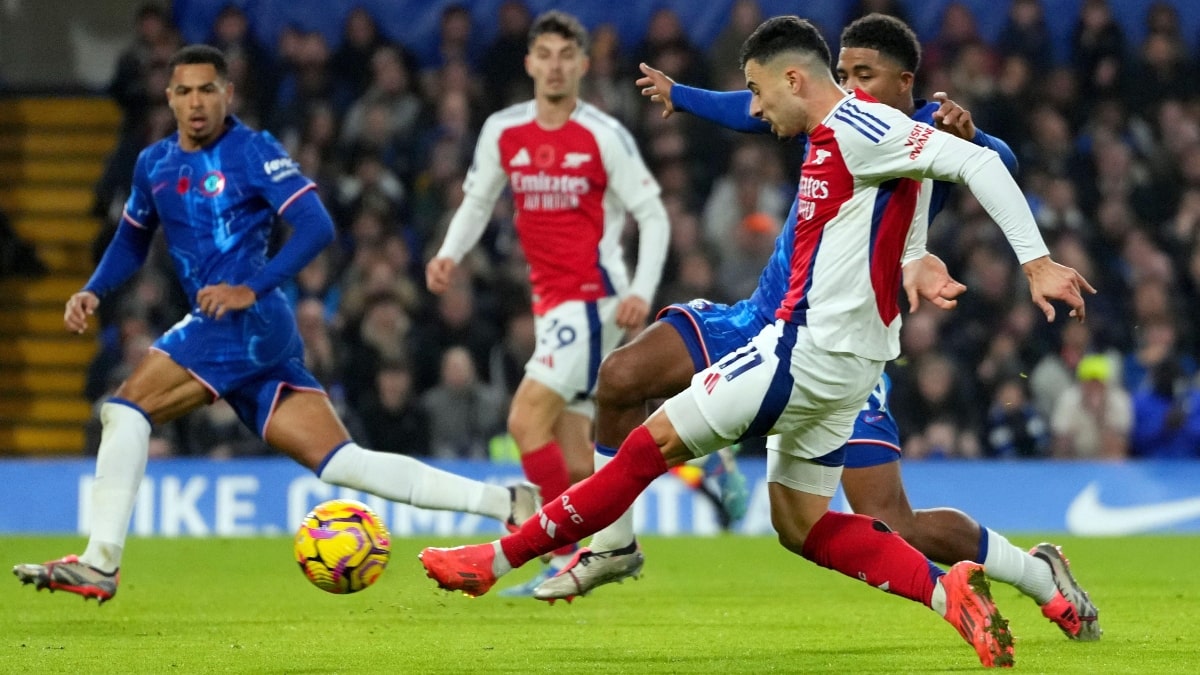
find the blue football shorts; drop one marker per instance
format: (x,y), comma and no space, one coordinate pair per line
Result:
(248,358)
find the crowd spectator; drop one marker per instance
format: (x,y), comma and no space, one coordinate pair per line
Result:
(1014,428)
(1166,413)
(463,412)
(1094,416)
(392,418)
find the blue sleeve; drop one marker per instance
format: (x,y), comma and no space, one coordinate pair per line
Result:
(276,175)
(1001,148)
(124,256)
(730,109)
(312,231)
(128,250)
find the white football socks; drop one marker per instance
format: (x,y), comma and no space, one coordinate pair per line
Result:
(620,533)
(937,602)
(409,481)
(1011,565)
(500,564)
(120,465)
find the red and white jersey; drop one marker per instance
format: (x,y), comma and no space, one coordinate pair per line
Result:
(571,188)
(859,195)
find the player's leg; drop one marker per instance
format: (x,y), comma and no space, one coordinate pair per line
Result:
(805,463)
(722,404)
(873,486)
(573,433)
(580,511)
(654,365)
(304,425)
(571,340)
(532,417)
(864,548)
(157,391)
(657,364)
(573,430)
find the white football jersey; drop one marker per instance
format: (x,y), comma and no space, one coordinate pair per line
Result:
(860,193)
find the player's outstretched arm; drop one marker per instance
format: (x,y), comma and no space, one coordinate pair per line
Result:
(919,151)
(730,109)
(124,256)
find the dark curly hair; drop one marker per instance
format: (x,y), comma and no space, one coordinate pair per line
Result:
(888,35)
(783,34)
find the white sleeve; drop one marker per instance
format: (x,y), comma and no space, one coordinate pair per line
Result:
(481,188)
(635,186)
(654,232)
(916,150)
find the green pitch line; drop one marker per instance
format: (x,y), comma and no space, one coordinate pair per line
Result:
(725,605)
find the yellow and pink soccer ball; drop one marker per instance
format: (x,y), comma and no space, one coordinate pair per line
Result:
(342,546)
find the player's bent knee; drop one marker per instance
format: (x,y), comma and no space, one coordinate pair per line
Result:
(621,381)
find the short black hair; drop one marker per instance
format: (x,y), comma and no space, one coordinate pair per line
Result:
(783,34)
(197,54)
(887,35)
(559,23)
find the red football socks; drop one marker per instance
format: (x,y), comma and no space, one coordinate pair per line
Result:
(589,505)
(547,469)
(866,549)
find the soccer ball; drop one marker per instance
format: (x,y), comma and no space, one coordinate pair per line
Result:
(342,546)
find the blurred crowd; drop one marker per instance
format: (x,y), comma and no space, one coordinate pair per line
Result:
(1109,148)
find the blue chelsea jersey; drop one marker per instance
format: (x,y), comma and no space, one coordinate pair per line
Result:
(216,205)
(773,283)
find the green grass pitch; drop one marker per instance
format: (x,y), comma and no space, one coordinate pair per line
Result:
(726,604)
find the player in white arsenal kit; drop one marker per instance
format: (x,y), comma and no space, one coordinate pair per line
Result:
(574,173)
(807,375)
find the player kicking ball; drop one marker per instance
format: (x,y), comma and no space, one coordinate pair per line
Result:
(879,55)
(807,375)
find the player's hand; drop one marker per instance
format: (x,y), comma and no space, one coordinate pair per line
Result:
(220,299)
(632,313)
(953,118)
(79,307)
(438,273)
(1049,280)
(929,279)
(657,86)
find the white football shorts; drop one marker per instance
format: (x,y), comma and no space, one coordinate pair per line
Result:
(779,383)
(572,339)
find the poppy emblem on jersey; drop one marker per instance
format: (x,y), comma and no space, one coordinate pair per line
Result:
(213,184)
(182,186)
(543,157)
